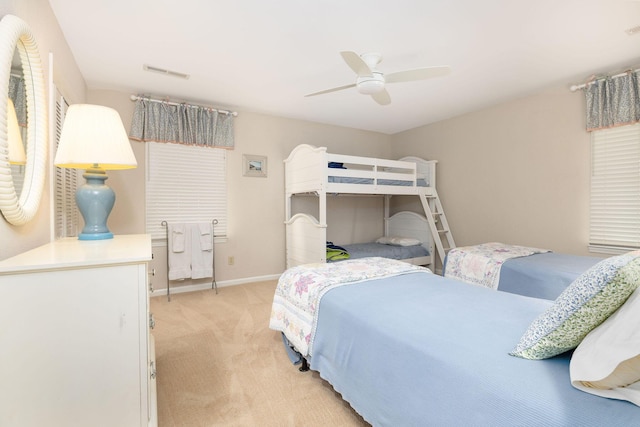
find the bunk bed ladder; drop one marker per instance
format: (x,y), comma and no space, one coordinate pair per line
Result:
(438,223)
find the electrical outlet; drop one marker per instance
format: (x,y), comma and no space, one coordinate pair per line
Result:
(231,260)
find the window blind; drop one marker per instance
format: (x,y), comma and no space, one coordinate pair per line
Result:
(615,188)
(66,214)
(185,183)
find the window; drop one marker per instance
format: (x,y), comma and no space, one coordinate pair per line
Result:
(66,215)
(615,189)
(185,183)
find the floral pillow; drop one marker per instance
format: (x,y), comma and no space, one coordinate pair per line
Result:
(584,305)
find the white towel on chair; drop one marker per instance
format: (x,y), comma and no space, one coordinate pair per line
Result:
(201,251)
(179,255)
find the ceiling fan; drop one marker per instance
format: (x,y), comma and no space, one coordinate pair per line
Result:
(371,81)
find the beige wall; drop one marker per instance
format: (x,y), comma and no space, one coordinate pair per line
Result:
(48,35)
(256,205)
(516,173)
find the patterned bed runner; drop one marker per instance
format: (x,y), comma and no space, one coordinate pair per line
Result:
(300,289)
(481,264)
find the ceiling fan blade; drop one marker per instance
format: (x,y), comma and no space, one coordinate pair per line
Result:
(382,97)
(417,74)
(335,89)
(356,63)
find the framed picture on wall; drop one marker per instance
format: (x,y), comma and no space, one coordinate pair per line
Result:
(254,165)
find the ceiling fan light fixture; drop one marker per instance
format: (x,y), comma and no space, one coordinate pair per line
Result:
(370,81)
(370,84)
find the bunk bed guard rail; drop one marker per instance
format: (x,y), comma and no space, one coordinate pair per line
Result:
(310,169)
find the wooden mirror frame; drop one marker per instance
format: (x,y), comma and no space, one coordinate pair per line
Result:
(16,34)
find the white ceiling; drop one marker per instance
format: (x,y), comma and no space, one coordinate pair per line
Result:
(264,56)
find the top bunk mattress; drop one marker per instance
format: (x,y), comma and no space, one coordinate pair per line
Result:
(420,182)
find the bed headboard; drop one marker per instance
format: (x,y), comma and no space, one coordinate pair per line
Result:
(424,169)
(305,169)
(410,224)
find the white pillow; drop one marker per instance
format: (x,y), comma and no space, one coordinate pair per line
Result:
(398,241)
(607,361)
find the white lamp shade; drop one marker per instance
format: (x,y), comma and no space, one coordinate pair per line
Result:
(93,136)
(16,147)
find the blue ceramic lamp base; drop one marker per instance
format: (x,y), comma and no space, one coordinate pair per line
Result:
(95,200)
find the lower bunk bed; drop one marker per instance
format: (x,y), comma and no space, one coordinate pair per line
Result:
(404,346)
(407,238)
(407,249)
(523,270)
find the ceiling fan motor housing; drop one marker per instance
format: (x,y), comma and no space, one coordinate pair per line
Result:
(370,84)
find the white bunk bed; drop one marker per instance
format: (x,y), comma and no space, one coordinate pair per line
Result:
(311,170)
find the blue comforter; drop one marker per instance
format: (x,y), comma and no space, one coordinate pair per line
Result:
(420,350)
(542,275)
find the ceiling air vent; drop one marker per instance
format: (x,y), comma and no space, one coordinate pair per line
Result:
(165,72)
(633,30)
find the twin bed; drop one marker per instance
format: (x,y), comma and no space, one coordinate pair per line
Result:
(522,270)
(407,347)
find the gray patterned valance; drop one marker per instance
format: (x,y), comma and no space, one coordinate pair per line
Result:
(613,101)
(160,121)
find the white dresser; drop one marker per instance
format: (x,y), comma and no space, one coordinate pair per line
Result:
(75,347)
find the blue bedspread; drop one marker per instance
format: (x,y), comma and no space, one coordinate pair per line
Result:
(419,350)
(364,250)
(543,275)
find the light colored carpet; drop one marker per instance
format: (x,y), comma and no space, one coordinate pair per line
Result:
(219,364)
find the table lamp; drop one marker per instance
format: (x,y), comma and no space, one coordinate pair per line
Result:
(16,147)
(93,138)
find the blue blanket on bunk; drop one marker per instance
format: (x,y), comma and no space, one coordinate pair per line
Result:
(365,250)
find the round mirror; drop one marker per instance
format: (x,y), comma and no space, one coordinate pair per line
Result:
(16,35)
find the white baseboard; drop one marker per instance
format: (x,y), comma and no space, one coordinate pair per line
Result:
(207,285)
